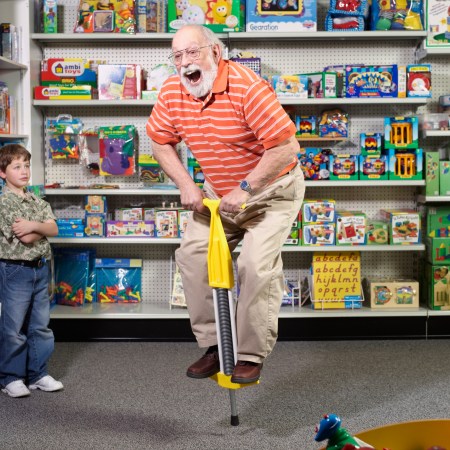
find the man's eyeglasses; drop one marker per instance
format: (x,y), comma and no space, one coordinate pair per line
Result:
(191,53)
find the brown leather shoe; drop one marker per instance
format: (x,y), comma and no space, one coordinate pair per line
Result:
(206,366)
(246,372)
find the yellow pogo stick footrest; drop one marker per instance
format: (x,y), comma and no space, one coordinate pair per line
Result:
(225,381)
(220,268)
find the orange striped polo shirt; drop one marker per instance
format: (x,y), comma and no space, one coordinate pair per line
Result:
(229,130)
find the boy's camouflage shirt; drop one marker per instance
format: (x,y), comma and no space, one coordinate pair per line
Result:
(30,207)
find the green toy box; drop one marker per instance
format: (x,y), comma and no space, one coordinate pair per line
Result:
(438,287)
(431,169)
(405,164)
(220,16)
(444,178)
(377,232)
(438,250)
(438,221)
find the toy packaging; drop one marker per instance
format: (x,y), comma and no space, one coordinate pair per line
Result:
(220,16)
(397,15)
(431,169)
(152,175)
(119,81)
(155,79)
(151,16)
(130,228)
(71,276)
(318,233)
(401,132)
(341,23)
(371,81)
(95,204)
(131,213)
(281,16)
(116,16)
(290,86)
(194,170)
(335,281)
(314,163)
(333,123)
(370,143)
(343,167)
(318,211)
(67,72)
(438,221)
(76,92)
(177,298)
(373,167)
(183,218)
(396,293)
(438,286)
(377,232)
(438,250)
(321,84)
(95,224)
(405,164)
(118,280)
(438,23)
(50,16)
(444,177)
(117,150)
(418,80)
(70,227)
(62,137)
(306,126)
(166,223)
(350,228)
(404,226)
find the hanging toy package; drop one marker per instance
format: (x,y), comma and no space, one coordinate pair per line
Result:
(62,137)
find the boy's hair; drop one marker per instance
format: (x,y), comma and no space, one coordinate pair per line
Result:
(10,152)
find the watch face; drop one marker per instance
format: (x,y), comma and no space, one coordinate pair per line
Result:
(245,186)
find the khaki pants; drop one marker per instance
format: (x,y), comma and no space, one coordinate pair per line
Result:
(263,227)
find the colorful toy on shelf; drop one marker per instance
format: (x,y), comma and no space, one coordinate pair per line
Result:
(373,167)
(418,80)
(438,20)
(392,293)
(404,226)
(318,211)
(314,163)
(370,143)
(371,80)
(63,137)
(290,86)
(306,126)
(397,15)
(343,167)
(401,132)
(377,232)
(405,164)
(49,10)
(437,279)
(333,123)
(338,438)
(351,228)
(438,221)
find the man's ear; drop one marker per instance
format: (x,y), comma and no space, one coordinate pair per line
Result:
(217,53)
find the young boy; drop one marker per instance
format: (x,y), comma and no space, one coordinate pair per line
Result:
(26,342)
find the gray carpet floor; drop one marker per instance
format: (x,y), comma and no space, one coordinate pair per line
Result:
(135,395)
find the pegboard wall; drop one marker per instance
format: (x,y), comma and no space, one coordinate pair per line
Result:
(285,57)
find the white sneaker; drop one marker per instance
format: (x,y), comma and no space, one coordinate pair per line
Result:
(16,389)
(47,384)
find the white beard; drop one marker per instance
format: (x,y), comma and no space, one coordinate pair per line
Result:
(205,86)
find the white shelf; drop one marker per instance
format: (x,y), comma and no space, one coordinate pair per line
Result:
(435,133)
(12,137)
(162,311)
(434,313)
(362,183)
(125,191)
(118,240)
(93,103)
(423,51)
(7,64)
(433,198)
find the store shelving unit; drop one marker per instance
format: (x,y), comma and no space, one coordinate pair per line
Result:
(276,51)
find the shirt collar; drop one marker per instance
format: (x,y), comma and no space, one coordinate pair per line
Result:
(7,190)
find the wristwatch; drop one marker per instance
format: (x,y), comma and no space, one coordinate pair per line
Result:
(245,186)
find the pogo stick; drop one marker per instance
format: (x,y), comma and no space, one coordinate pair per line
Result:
(221,279)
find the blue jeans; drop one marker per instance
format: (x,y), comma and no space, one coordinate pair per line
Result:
(26,342)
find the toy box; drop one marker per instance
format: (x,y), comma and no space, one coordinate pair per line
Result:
(370,143)
(130,228)
(335,280)
(166,223)
(131,213)
(371,81)
(78,92)
(67,71)
(117,150)
(401,132)
(314,163)
(418,80)
(195,171)
(431,169)
(333,124)
(95,224)
(306,126)
(404,226)
(50,16)
(321,84)
(118,280)
(294,238)
(444,177)
(343,167)
(438,250)
(377,232)
(70,227)
(319,233)
(392,293)
(438,23)
(119,81)
(281,16)
(373,167)
(338,23)
(350,228)
(95,204)
(151,16)
(220,16)
(397,15)
(290,85)
(318,211)
(438,286)
(183,218)
(405,164)
(438,221)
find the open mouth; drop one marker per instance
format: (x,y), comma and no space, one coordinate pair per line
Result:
(193,76)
